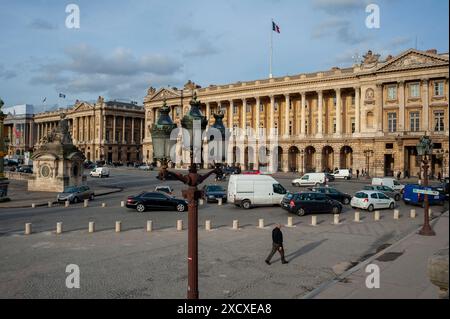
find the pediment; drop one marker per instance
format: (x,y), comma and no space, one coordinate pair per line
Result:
(413,59)
(83,106)
(163,94)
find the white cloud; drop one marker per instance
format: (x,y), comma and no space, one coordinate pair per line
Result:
(341,29)
(338,6)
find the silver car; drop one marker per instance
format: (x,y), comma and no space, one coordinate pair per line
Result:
(75,194)
(385,190)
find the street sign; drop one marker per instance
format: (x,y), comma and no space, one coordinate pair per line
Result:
(426,192)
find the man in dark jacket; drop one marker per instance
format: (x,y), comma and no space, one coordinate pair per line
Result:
(277,238)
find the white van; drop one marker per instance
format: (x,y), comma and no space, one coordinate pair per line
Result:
(342,173)
(100,172)
(254,190)
(310,179)
(388,181)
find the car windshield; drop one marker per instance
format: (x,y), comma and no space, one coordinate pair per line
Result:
(215,189)
(361,195)
(70,189)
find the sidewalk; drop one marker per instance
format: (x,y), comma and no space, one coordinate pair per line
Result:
(403,270)
(22,198)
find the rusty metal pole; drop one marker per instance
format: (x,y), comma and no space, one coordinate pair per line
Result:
(192,290)
(426,229)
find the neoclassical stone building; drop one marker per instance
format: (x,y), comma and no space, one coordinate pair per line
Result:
(111,131)
(367,117)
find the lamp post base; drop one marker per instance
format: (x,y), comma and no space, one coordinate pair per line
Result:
(427,231)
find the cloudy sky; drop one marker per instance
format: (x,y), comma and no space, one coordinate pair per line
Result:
(123,47)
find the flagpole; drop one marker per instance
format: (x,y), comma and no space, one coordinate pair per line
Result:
(271,50)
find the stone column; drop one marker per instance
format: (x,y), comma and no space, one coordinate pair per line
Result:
(357,110)
(426,106)
(401,106)
(303,116)
(132,131)
(230,115)
(123,129)
(271,123)
(244,116)
(338,113)
(286,115)
(257,122)
(38,133)
(379,100)
(208,111)
(114,130)
(320,114)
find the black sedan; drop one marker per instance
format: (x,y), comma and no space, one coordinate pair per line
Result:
(212,193)
(333,193)
(156,201)
(310,203)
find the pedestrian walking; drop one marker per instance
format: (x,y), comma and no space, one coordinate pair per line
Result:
(277,245)
(399,174)
(357,174)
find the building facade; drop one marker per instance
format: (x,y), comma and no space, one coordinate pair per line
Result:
(19,130)
(111,131)
(367,117)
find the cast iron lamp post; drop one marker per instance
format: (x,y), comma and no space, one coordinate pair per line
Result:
(193,179)
(424,149)
(368,154)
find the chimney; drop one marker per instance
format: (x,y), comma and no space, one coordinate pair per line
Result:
(432,51)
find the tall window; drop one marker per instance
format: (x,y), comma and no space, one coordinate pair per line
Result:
(392,122)
(290,105)
(439,121)
(414,118)
(290,127)
(248,108)
(334,101)
(414,90)
(306,126)
(334,125)
(392,92)
(261,107)
(235,110)
(439,88)
(177,111)
(353,100)
(276,106)
(235,129)
(275,126)
(353,125)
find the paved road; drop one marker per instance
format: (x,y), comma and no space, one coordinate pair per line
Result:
(76,217)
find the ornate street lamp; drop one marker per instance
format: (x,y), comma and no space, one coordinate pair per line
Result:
(218,125)
(3,180)
(368,154)
(424,149)
(192,194)
(162,144)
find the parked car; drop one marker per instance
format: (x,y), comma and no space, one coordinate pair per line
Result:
(164,189)
(252,172)
(330,177)
(231,170)
(75,194)
(156,201)
(412,198)
(310,203)
(384,189)
(310,179)
(88,165)
(100,172)
(247,191)
(146,167)
(25,169)
(212,193)
(342,174)
(169,177)
(333,193)
(371,200)
(389,182)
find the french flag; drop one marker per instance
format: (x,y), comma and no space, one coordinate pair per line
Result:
(275,27)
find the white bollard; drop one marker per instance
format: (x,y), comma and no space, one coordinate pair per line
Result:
(86,202)
(67,203)
(396,214)
(103,205)
(376,216)
(201,201)
(261,223)
(179,225)
(219,202)
(313,220)
(118,226)
(357,217)
(50,204)
(28,229)
(235,224)
(122,204)
(290,222)
(336,219)
(91,227)
(413,213)
(59,228)
(149,226)
(33,205)
(208,225)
